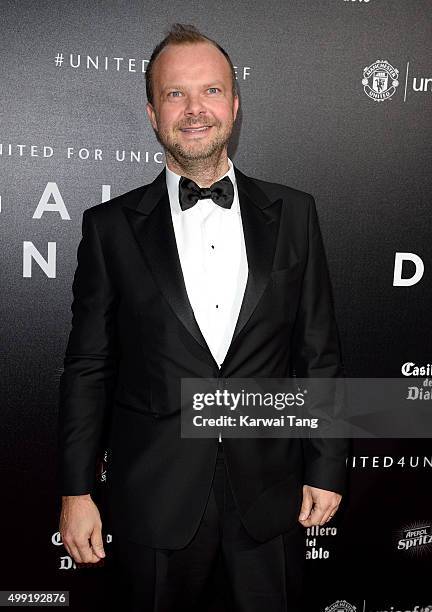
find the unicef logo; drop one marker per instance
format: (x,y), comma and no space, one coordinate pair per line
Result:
(341,605)
(380,80)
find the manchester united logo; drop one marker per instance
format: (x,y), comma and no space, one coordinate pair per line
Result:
(341,605)
(380,80)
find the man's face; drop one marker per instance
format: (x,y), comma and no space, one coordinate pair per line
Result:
(192,89)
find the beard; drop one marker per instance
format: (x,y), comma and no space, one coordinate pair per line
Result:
(199,149)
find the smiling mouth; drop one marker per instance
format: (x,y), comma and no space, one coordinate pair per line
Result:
(202,128)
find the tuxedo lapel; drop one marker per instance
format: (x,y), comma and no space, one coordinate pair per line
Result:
(152,226)
(260,218)
(151,223)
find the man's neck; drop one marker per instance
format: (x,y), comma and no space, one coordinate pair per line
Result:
(203,171)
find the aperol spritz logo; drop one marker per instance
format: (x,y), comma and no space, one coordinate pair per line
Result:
(416,539)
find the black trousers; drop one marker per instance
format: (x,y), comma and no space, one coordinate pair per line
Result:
(221,570)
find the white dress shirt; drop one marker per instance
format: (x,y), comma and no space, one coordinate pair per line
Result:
(212,254)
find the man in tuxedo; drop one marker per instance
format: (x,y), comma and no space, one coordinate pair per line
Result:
(205,272)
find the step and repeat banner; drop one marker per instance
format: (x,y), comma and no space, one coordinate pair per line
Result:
(335,100)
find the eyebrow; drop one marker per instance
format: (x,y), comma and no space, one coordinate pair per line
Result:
(211,84)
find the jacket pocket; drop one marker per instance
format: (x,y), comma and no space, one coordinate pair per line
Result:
(288,274)
(137,400)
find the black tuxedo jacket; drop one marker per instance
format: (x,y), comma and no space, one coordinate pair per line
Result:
(134,336)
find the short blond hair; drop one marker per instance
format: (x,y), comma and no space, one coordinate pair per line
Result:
(181,34)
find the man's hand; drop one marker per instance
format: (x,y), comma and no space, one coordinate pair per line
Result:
(318,506)
(80,521)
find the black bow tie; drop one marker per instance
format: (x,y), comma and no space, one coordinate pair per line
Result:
(221,192)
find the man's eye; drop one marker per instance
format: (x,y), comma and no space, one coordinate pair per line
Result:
(214,88)
(174,92)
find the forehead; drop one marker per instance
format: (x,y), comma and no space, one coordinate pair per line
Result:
(191,62)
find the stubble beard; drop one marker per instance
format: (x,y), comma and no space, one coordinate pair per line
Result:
(197,150)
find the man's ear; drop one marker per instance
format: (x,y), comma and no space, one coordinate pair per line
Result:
(236,103)
(151,115)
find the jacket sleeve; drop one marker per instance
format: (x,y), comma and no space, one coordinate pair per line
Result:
(316,354)
(90,365)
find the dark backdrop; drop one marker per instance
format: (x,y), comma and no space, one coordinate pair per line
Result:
(307,121)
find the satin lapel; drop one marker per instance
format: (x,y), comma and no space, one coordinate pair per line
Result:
(151,224)
(260,219)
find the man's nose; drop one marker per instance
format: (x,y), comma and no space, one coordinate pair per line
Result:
(194,105)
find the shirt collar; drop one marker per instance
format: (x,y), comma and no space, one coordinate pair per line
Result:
(172,182)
